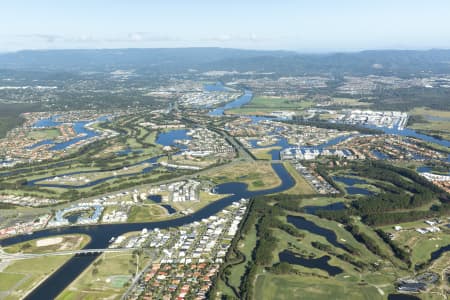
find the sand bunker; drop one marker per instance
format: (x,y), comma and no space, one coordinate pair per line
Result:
(49,241)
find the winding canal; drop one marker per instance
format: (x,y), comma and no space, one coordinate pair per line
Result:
(169,138)
(101,234)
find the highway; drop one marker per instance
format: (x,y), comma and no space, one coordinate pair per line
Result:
(18,256)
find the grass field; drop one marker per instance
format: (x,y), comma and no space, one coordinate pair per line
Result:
(60,243)
(314,283)
(437,121)
(423,111)
(264,153)
(287,287)
(9,280)
(154,212)
(254,111)
(106,278)
(343,236)
(20,276)
(421,245)
(196,162)
(349,102)
(351,284)
(279,103)
(246,246)
(441,128)
(301,187)
(258,175)
(321,201)
(31,272)
(367,274)
(146,213)
(42,134)
(383,246)
(424,247)
(81,179)
(113,182)
(263,105)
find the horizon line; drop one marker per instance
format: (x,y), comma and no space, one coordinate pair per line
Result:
(299,51)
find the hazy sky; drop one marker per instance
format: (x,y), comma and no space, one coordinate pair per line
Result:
(307,26)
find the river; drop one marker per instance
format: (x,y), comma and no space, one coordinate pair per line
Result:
(101,234)
(412,133)
(244,99)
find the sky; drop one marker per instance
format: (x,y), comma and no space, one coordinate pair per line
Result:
(304,26)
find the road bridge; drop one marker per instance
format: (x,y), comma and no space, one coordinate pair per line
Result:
(17,256)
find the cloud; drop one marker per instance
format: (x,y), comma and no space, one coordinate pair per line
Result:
(129,39)
(48,38)
(135,37)
(252,37)
(143,37)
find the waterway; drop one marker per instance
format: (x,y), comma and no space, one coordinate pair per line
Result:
(155,198)
(438,253)
(79,128)
(169,138)
(73,218)
(158,199)
(152,161)
(83,133)
(349,181)
(316,263)
(424,169)
(284,144)
(244,99)
(304,224)
(217,87)
(380,155)
(41,143)
(412,133)
(101,234)
(350,189)
(46,123)
(169,208)
(427,169)
(402,297)
(312,209)
(128,151)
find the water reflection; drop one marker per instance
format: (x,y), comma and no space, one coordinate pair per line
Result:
(304,224)
(315,263)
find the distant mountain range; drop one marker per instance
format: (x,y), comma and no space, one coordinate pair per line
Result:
(170,60)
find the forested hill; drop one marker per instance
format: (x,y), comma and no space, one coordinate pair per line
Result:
(162,59)
(383,62)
